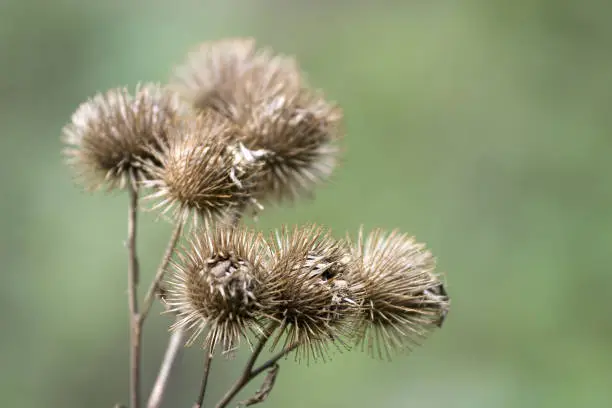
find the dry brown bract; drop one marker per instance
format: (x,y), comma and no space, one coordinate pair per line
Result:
(203,171)
(219,285)
(404,299)
(314,300)
(113,134)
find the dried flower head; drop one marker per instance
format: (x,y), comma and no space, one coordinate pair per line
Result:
(264,94)
(218,285)
(301,133)
(314,299)
(203,171)
(212,71)
(230,75)
(113,134)
(404,299)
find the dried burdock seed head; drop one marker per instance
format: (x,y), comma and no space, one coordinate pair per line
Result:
(203,171)
(218,286)
(212,72)
(113,134)
(301,134)
(230,76)
(404,299)
(315,300)
(270,76)
(265,95)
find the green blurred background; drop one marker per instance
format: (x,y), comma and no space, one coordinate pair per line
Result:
(483,127)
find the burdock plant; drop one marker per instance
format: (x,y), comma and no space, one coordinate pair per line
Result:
(235,128)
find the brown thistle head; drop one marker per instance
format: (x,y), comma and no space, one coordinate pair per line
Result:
(231,75)
(113,134)
(218,286)
(404,298)
(264,94)
(209,76)
(314,299)
(301,133)
(203,170)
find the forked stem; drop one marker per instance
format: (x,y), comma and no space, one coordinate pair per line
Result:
(273,360)
(133,272)
(248,373)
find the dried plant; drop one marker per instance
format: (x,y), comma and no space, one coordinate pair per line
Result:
(301,132)
(203,171)
(113,134)
(265,95)
(219,285)
(212,71)
(315,301)
(237,126)
(404,298)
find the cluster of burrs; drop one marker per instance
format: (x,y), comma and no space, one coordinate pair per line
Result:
(237,127)
(380,292)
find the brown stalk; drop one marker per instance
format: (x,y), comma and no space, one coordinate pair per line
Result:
(176,338)
(208,356)
(175,345)
(266,388)
(248,373)
(161,270)
(135,321)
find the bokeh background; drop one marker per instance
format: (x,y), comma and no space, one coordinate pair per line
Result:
(483,127)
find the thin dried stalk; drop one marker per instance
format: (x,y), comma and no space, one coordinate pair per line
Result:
(208,356)
(135,326)
(175,345)
(247,372)
(154,288)
(266,388)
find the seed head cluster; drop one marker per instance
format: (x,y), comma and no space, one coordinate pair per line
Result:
(381,293)
(265,94)
(236,126)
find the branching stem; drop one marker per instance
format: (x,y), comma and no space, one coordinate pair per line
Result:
(249,373)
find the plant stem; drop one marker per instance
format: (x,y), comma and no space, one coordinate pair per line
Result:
(273,360)
(247,372)
(175,345)
(133,272)
(176,339)
(208,356)
(161,270)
